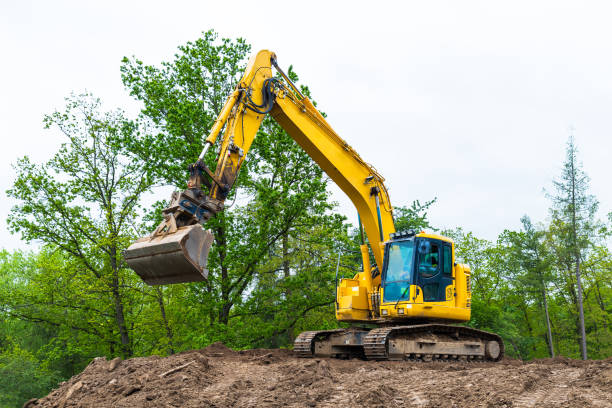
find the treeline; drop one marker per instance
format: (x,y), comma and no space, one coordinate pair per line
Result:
(546,288)
(272,267)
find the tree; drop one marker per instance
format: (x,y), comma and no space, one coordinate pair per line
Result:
(284,189)
(575,208)
(532,274)
(413,217)
(83,202)
(182,99)
(497,304)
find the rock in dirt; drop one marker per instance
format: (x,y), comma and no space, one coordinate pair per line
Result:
(276,378)
(130,390)
(77,386)
(114,363)
(31,403)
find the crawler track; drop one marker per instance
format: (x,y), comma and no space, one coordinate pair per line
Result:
(376,343)
(303,345)
(420,342)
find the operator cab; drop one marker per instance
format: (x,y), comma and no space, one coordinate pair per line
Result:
(422,260)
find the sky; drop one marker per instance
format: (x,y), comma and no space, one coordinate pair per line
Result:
(471,102)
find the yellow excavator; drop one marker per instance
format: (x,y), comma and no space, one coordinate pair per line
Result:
(402,307)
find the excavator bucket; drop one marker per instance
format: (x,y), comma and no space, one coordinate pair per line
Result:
(176,257)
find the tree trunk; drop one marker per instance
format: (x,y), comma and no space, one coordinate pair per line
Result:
(556,336)
(583,345)
(287,273)
(119,314)
(583,348)
(529,328)
(120,319)
(286,270)
(551,349)
(224,312)
(162,309)
(225,302)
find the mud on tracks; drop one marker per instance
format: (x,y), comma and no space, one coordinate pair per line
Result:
(220,377)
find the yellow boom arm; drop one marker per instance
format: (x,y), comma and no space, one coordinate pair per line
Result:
(257,94)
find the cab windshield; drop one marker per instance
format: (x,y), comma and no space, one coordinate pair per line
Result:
(400,263)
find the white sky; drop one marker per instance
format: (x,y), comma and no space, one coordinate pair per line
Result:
(467,101)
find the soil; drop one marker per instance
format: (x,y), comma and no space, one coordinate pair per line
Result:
(219,377)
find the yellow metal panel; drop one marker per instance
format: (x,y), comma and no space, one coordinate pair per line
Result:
(352,315)
(427,310)
(353,301)
(461,282)
(438,237)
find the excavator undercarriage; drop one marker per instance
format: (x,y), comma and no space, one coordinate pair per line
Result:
(424,342)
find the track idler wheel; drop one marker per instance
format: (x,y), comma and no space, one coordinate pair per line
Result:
(492,350)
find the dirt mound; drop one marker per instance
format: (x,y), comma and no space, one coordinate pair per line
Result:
(217,349)
(136,382)
(220,377)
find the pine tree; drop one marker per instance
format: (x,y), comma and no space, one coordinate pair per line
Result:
(575,208)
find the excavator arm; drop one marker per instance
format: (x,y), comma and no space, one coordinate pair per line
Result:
(258,93)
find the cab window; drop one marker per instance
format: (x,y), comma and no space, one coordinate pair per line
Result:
(448,260)
(399,262)
(398,270)
(429,258)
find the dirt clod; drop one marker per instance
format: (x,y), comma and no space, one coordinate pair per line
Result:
(114,363)
(131,389)
(75,387)
(30,403)
(220,377)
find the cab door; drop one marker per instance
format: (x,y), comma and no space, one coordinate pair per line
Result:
(434,269)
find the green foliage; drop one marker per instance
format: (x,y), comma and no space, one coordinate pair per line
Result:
(81,205)
(23,376)
(413,217)
(521,275)
(181,100)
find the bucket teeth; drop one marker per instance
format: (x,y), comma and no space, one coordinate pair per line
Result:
(176,257)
